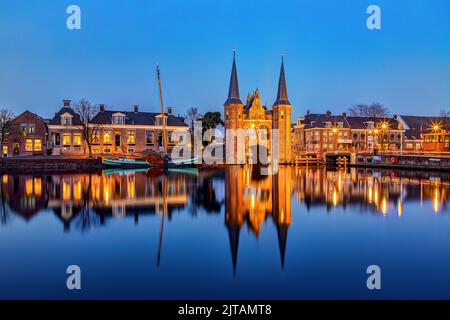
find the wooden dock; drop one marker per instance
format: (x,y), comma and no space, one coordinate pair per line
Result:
(308,161)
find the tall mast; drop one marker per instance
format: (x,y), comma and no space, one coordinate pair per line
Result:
(161,100)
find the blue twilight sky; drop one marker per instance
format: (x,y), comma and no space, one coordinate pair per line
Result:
(332,60)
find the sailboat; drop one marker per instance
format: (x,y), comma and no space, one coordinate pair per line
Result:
(166,161)
(152,158)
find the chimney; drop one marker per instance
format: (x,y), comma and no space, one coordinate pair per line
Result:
(136,108)
(395,116)
(66,103)
(344,114)
(169,110)
(102,107)
(328,113)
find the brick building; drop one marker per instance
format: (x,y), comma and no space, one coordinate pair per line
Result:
(26,135)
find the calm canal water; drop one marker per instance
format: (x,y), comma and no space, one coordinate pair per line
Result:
(303,233)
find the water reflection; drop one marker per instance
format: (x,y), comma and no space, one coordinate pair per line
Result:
(85,201)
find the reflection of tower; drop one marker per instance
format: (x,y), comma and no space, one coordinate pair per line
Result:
(282,207)
(250,198)
(234,209)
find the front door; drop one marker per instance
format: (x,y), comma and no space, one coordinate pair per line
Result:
(117,139)
(57,139)
(16,148)
(160,140)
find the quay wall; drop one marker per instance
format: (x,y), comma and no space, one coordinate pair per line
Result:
(394,161)
(49,164)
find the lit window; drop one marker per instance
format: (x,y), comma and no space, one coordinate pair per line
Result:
(66,139)
(95,138)
(131,137)
(107,138)
(28,145)
(77,139)
(37,145)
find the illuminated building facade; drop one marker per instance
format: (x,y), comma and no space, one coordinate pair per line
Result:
(116,132)
(326,132)
(254,117)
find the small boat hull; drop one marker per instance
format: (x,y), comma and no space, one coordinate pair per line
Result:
(179,163)
(125,163)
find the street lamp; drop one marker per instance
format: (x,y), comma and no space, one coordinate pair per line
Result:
(336,147)
(435,129)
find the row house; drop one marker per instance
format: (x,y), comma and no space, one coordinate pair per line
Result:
(424,133)
(25,135)
(65,132)
(116,132)
(321,133)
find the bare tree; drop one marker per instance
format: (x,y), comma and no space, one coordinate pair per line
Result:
(86,111)
(444,114)
(375,109)
(6,115)
(192,115)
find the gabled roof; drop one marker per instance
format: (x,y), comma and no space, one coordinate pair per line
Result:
(422,124)
(137,118)
(318,120)
(28,112)
(361,122)
(56,120)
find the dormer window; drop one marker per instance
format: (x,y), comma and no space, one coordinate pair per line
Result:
(159,120)
(370,125)
(327,124)
(118,118)
(66,119)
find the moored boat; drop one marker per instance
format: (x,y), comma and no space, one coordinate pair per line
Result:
(125,163)
(169,163)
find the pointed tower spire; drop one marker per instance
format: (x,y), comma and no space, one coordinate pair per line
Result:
(282,231)
(233,233)
(233,92)
(282,97)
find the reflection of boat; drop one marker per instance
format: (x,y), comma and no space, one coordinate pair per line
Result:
(121,171)
(125,163)
(188,170)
